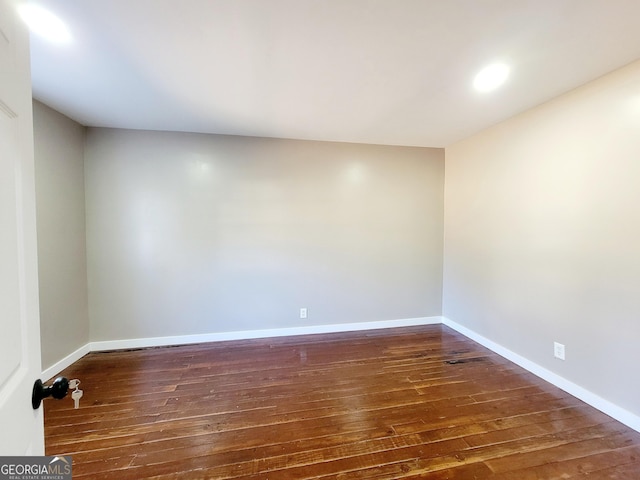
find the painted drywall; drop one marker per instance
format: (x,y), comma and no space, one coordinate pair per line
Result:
(62,268)
(542,235)
(194,234)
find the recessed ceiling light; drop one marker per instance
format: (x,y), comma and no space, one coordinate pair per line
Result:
(44,23)
(491,77)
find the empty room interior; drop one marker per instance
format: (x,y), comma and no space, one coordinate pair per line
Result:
(340,239)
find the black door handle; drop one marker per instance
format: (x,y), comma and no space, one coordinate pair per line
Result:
(58,389)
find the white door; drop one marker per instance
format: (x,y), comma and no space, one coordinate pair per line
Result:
(22,430)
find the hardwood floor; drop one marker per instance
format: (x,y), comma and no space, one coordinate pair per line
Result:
(420,402)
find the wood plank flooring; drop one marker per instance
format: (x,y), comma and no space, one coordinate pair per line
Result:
(420,402)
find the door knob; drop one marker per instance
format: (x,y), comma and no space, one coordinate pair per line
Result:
(58,389)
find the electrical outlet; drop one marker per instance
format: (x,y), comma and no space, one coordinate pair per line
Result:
(303,313)
(558,350)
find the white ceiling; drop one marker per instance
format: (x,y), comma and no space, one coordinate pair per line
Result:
(393,72)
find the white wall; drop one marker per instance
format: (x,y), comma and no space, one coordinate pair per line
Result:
(59,170)
(191,234)
(542,235)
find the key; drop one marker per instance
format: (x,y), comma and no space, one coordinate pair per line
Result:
(76,395)
(74,384)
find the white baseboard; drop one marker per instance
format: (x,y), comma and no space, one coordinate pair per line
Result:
(67,361)
(605,406)
(224,336)
(620,414)
(251,334)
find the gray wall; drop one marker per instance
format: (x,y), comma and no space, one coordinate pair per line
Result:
(190,233)
(542,235)
(59,171)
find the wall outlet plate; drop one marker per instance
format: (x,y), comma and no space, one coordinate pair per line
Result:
(303,313)
(558,350)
